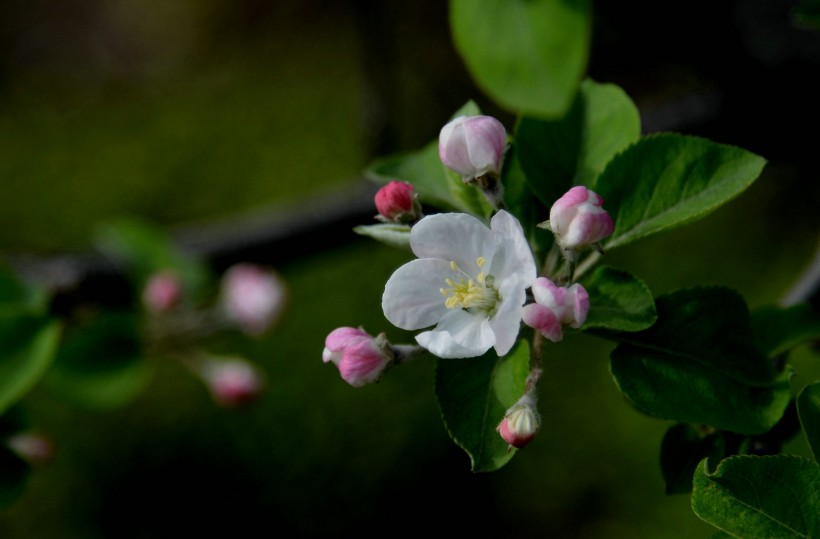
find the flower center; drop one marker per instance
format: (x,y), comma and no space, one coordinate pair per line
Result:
(464,292)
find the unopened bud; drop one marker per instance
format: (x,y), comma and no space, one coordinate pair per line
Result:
(34,448)
(232,382)
(520,423)
(162,292)
(361,358)
(473,146)
(253,297)
(577,219)
(555,307)
(397,203)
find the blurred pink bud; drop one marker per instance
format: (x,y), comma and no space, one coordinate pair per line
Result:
(36,449)
(397,203)
(578,220)
(556,307)
(253,297)
(232,382)
(361,359)
(472,145)
(163,292)
(520,423)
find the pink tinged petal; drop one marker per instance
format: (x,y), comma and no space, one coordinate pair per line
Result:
(339,338)
(362,363)
(544,320)
(579,300)
(565,208)
(453,236)
(412,297)
(394,199)
(547,293)
(513,255)
(486,139)
(452,147)
(506,322)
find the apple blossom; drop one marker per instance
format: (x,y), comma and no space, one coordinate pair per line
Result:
(521,422)
(162,292)
(577,219)
(469,281)
(232,382)
(34,448)
(253,297)
(361,358)
(555,307)
(472,146)
(397,203)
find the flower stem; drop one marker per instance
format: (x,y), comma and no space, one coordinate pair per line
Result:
(402,353)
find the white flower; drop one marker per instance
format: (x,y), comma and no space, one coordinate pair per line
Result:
(469,281)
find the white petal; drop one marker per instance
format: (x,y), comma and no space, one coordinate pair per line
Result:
(467,329)
(507,320)
(513,255)
(412,296)
(441,344)
(453,236)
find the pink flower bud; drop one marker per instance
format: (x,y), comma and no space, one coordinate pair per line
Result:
(472,145)
(556,307)
(578,220)
(36,449)
(520,423)
(163,292)
(361,359)
(232,382)
(397,203)
(253,297)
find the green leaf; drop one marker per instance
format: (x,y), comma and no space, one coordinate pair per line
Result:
(474,394)
(16,294)
(100,365)
(768,497)
(145,249)
(618,301)
(28,343)
(528,55)
(573,150)
(698,364)
(522,203)
(683,447)
(808,408)
(391,234)
(435,184)
(14,473)
(780,329)
(664,181)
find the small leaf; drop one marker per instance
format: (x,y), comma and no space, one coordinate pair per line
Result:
(683,447)
(100,365)
(664,181)
(528,55)
(808,408)
(618,301)
(760,497)
(474,394)
(573,150)
(780,329)
(28,343)
(393,235)
(698,364)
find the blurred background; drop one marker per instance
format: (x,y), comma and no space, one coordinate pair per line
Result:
(199,112)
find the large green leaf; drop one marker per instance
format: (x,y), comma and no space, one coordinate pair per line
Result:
(435,184)
(28,343)
(698,364)
(780,329)
(100,364)
(618,301)
(572,150)
(521,202)
(528,55)
(474,394)
(808,408)
(664,181)
(769,497)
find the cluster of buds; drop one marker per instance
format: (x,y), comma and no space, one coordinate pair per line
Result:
(252,297)
(555,307)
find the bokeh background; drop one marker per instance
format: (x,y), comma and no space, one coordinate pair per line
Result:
(193,112)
